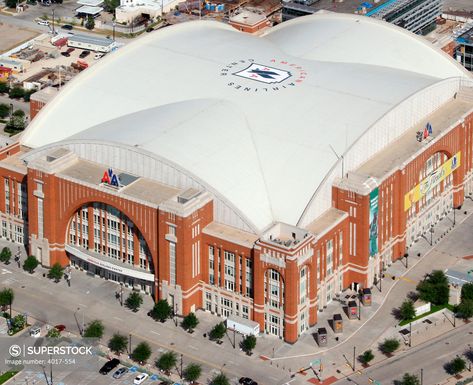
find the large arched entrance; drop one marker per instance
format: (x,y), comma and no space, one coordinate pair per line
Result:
(103,241)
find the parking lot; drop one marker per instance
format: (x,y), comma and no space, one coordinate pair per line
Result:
(85,371)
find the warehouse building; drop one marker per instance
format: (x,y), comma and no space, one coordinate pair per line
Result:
(273,173)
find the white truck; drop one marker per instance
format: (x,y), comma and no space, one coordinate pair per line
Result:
(242,325)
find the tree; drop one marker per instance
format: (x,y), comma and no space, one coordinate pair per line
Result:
(407,310)
(465,309)
(19,113)
(11,3)
(110,5)
(94,329)
(30,264)
(190,322)
(134,301)
(90,23)
(5,255)
(56,272)
(218,331)
(161,310)
(16,123)
(409,379)
(389,346)
(366,357)
(248,344)
(6,298)
(16,93)
(4,88)
(434,288)
(192,372)
(117,343)
(457,365)
(166,361)
(18,322)
(467,291)
(142,352)
(53,333)
(220,379)
(4,109)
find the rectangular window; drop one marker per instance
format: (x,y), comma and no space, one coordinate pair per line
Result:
(211,266)
(40,219)
(329,257)
(172,263)
(172,230)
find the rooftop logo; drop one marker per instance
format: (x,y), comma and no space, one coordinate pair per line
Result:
(110,178)
(283,75)
(264,74)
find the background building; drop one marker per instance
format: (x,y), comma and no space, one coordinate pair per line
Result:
(253,176)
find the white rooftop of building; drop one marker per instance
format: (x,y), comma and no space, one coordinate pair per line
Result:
(89,10)
(91,3)
(253,119)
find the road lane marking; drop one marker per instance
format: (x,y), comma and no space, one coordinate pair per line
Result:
(81,304)
(152,331)
(193,347)
(117,318)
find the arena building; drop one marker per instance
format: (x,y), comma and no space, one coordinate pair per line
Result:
(244,175)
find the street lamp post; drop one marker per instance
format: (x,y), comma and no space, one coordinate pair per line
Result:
(113,24)
(53,19)
(234,339)
(410,334)
(421,376)
(11,113)
(121,295)
(354,355)
(181,366)
(129,344)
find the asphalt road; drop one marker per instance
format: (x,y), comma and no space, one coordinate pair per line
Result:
(430,356)
(91,298)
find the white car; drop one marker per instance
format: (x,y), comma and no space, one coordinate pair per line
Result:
(42,22)
(35,331)
(140,378)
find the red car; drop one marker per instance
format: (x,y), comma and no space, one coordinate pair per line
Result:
(61,328)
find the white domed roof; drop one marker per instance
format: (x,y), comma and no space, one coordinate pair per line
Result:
(254,118)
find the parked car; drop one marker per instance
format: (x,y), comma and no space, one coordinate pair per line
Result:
(67,26)
(120,372)
(110,365)
(61,328)
(69,50)
(84,54)
(35,331)
(140,378)
(66,54)
(247,381)
(42,22)
(98,55)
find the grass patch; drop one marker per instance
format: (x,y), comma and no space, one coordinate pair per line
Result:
(6,376)
(433,309)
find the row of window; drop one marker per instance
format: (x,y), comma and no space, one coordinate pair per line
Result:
(20,198)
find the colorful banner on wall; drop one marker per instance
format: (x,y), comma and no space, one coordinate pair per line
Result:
(433,180)
(374,222)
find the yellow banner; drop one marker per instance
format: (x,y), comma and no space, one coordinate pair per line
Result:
(433,180)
